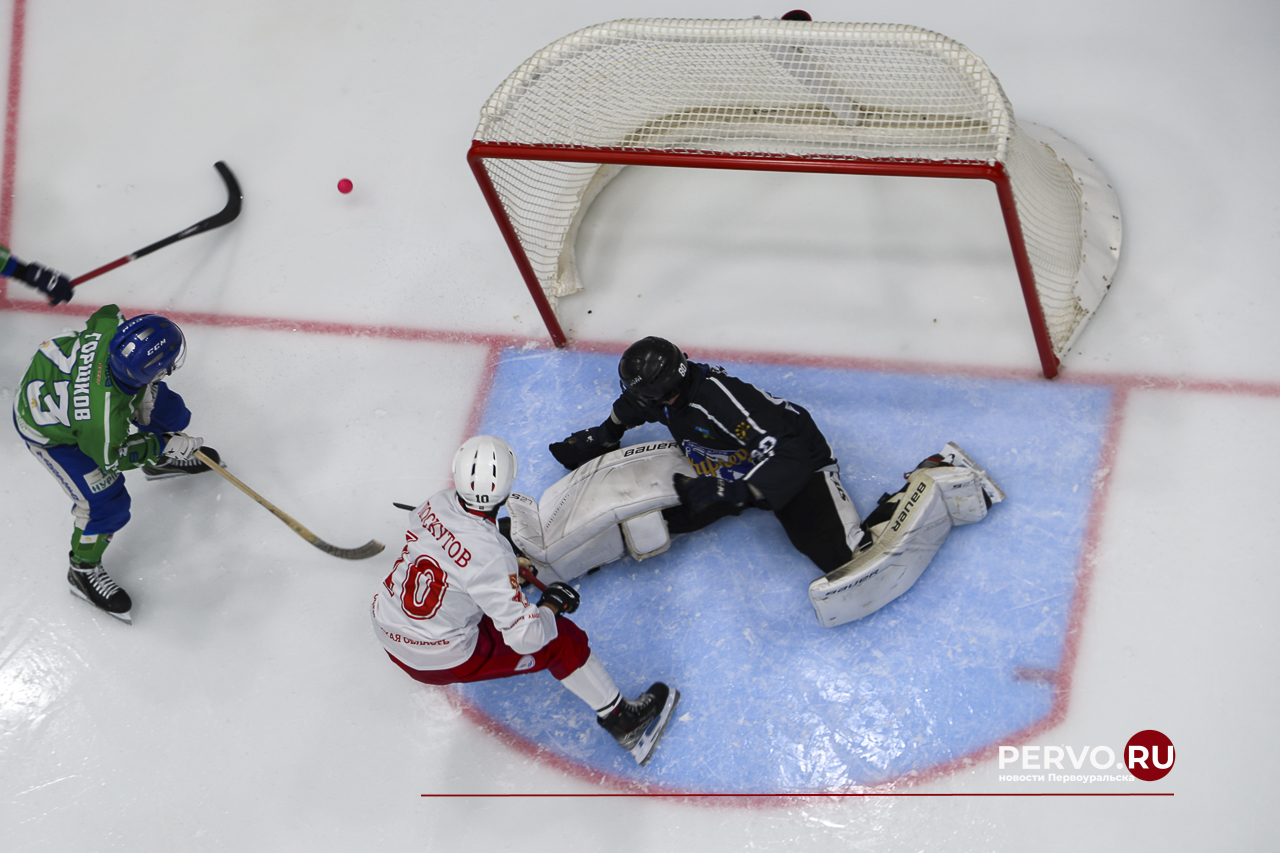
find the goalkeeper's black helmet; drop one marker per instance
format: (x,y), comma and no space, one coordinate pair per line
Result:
(653,370)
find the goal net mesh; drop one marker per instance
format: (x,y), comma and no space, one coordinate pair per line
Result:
(768,89)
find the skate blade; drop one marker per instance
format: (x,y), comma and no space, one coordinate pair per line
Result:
(126,617)
(643,750)
(153,473)
(169,475)
(989,485)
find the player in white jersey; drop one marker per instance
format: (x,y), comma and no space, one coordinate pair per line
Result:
(452,610)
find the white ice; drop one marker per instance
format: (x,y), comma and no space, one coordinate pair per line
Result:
(249,708)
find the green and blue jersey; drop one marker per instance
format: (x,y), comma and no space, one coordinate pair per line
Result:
(68,397)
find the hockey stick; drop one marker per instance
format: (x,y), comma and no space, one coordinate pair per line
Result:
(532,578)
(524,573)
(222,217)
(365,551)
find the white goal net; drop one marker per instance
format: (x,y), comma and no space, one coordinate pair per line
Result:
(788,96)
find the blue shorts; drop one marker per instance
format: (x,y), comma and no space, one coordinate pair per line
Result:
(101,503)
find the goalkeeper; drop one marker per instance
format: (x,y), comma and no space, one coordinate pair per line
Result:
(749,449)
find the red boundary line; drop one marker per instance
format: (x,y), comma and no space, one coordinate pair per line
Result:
(964,169)
(794,797)
(9,170)
(1126,382)
(1061,679)
(1122,385)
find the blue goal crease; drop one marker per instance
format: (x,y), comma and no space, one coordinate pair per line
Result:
(770,700)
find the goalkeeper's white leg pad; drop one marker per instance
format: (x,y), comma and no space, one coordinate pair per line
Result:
(901,550)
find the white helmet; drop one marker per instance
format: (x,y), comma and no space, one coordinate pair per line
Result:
(483,470)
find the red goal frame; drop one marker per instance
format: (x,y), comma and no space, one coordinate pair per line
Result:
(965,169)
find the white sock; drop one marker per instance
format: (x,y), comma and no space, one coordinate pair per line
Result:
(592,684)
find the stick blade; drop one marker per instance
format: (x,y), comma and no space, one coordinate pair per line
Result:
(234,197)
(369,549)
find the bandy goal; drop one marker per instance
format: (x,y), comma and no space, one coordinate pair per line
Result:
(791,96)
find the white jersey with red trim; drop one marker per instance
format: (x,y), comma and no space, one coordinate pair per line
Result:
(455,568)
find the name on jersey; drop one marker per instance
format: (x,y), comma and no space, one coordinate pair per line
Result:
(77,366)
(396,637)
(84,373)
(433,526)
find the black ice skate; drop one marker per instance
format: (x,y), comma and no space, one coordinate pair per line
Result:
(94,585)
(166,467)
(638,725)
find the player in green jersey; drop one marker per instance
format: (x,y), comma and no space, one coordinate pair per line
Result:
(51,283)
(94,404)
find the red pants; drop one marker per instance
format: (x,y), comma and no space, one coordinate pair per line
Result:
(493,658)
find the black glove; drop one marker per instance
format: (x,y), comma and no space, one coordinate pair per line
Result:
(584,445)
(699,493)
(51,283)
(564,597)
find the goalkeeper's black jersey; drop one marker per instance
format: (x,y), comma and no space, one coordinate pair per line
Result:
(731,429)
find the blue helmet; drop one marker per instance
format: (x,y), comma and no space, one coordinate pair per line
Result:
(146,348)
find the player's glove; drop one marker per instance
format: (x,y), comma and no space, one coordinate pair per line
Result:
(700,493)
(181,447)
(584,445)
(51,283)
(560,596)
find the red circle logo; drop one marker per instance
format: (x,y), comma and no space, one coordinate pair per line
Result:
(1149,755)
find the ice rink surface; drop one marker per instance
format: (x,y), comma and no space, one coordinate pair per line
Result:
(342,346)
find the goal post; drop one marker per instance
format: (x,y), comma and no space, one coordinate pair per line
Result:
(789,96)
